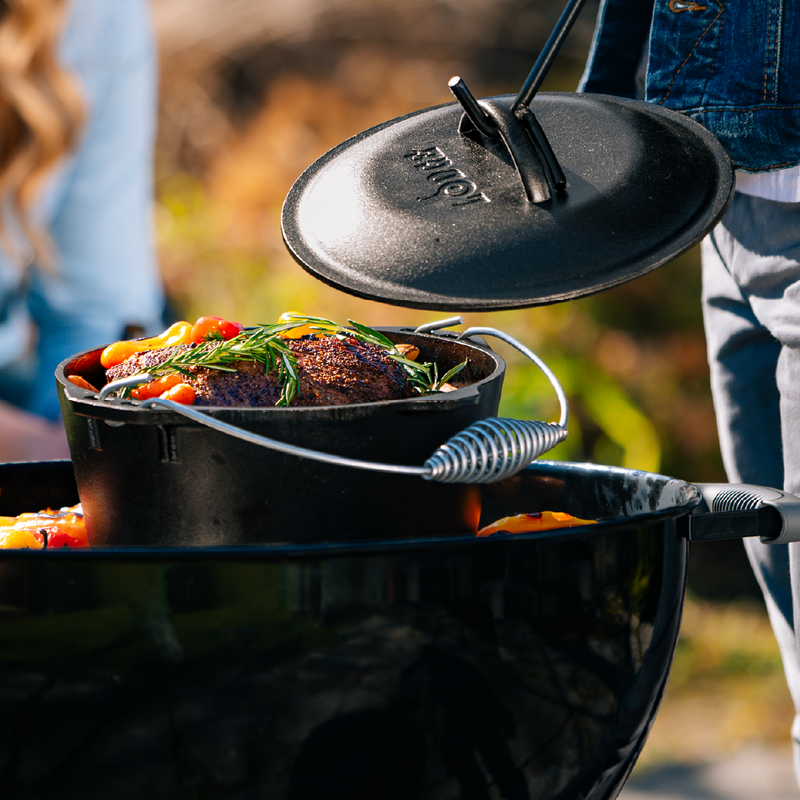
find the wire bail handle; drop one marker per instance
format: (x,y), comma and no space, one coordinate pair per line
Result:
(484,452)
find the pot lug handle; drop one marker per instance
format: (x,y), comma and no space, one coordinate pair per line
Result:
(740,510)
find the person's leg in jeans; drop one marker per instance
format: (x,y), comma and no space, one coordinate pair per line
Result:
(751,306)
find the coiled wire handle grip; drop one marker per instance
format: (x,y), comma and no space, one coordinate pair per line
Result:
(492,449)
(484,452)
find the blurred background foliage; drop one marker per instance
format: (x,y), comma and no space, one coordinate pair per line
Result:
(253,92)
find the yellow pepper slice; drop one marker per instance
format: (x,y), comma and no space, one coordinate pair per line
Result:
(116,353)
(294,333)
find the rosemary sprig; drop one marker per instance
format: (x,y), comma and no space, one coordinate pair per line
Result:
(263,343)
(437,382)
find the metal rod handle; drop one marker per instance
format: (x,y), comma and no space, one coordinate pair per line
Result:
(529,354)
(534,80)
(273,444)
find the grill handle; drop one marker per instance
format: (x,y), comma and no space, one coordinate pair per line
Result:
(735,511)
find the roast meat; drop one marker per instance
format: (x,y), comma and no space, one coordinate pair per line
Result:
(332,371)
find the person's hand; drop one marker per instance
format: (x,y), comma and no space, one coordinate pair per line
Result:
(25,437)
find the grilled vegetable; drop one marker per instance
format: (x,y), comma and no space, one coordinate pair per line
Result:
(82,383)
(537,521)
(51,529)
(209,329)
(179,333)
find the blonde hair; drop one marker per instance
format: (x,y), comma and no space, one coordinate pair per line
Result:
(41,115)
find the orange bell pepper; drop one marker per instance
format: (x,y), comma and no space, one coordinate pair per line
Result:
(530,523)
(157,387)
(12,537)
(181,393)
(77,380)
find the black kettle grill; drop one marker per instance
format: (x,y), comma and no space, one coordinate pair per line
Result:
(511,666)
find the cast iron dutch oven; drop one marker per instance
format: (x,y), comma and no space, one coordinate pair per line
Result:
(178,476)
(520,667)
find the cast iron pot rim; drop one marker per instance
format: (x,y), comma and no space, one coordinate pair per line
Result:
(85,403)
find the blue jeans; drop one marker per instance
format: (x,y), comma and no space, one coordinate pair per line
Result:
(751,306)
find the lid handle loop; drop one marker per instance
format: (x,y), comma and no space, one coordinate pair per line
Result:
(552,169)
(534,159)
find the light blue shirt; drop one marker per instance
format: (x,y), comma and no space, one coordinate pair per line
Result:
(97,209)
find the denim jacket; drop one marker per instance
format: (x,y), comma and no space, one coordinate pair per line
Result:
(732,66)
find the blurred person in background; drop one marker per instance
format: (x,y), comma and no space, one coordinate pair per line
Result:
(77,264)
(735,68)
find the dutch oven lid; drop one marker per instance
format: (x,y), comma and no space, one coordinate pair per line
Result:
(508,202)
(420,213)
